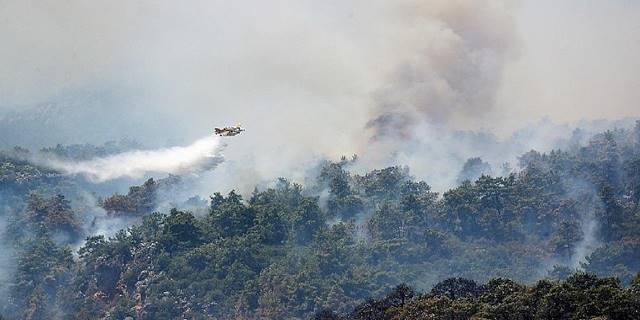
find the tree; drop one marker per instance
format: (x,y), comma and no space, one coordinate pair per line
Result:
(457,288)
(53,216)
(180,231)
(473,169)
(306,221)
(43,273)
(228,216)
(138,201)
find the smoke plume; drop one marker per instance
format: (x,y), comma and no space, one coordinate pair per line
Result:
(391,81)
(203,154)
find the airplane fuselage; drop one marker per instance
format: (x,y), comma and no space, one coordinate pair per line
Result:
(228,131)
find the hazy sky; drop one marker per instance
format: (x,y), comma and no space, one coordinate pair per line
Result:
(572,59)
(311,78)
(576,59)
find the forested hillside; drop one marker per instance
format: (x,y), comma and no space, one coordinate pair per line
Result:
(292,251)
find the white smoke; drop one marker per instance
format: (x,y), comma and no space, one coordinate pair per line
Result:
(588,243)
(203,154)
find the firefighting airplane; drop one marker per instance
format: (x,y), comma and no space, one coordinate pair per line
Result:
(228,131)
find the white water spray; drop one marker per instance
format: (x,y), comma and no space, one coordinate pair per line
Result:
(203,154)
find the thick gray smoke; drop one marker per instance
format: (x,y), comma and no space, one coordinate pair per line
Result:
(203,154)
(449,79)
(454,70)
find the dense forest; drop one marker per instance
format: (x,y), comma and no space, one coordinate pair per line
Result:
(580,296)
(570,217)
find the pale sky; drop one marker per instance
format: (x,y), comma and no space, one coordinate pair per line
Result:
(202,62)
(578,59)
